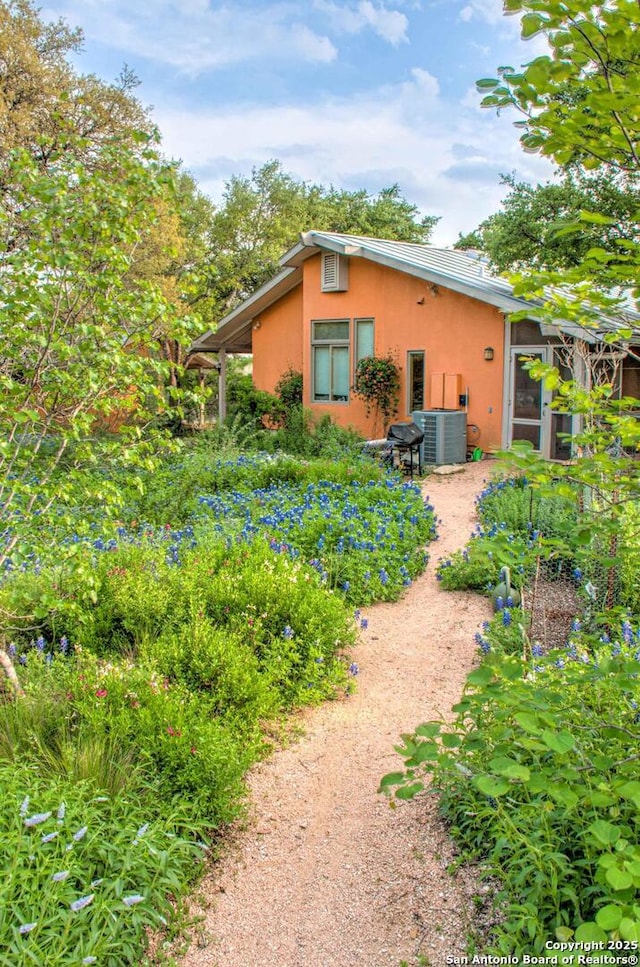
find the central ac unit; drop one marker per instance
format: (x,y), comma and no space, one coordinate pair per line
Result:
(445,435)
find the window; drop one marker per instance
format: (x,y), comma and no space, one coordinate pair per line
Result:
(363,340)
(330,359)
(415,380)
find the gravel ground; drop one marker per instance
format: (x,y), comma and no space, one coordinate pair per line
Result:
(324,873)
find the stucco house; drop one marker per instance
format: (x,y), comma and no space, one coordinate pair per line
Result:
(441,313)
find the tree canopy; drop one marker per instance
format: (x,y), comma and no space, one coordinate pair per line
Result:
(263,215)
(580,102)
(578,105)
(524,233)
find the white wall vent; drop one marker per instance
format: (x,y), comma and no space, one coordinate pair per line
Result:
(445,436)
(335,273)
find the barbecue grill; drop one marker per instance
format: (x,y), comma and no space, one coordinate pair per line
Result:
(406,438)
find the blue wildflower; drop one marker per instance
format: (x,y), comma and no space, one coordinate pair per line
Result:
(36,819)
(131,901)
(81,902)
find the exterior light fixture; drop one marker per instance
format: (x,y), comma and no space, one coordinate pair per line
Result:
(488,353)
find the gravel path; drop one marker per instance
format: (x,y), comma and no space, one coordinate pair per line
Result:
(325,873)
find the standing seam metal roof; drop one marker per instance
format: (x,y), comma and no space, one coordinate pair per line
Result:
(453,266)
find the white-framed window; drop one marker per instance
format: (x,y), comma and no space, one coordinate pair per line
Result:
(363,343)
(330,360)
(415,380)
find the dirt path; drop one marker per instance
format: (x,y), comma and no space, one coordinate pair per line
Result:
(326,874)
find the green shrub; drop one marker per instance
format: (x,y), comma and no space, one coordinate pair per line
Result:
(86,877)
(278,607)
(536,778)
(211,659)
(469,569)
(178,744)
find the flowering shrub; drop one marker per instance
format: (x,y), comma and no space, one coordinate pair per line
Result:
(365,539)
(162,649)
(85,877)
(377,382)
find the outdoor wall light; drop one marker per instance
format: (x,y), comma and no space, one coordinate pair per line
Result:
(488,353)
(257,324)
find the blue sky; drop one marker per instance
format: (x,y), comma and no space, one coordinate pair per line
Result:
(354,93)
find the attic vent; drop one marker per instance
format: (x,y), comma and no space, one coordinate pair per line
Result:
(334,273)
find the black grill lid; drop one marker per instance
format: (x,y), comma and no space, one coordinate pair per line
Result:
(405,434)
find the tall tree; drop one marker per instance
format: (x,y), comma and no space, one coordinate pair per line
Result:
(261,216)
(524,233)
(579,106)
(77,381)
(45,106)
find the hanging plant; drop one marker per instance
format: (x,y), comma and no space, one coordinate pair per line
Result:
(377,382)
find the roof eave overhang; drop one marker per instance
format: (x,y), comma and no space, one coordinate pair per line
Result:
(234,332)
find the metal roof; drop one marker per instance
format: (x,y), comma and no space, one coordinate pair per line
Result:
(466,272)
(463,272)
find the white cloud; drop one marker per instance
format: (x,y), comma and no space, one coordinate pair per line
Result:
(488,11)
(390,25)
(193,37)
(386,135)
(492,13)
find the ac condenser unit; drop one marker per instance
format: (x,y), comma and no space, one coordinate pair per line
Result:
(445,435)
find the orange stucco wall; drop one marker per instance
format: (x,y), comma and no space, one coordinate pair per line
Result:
(452,329)
(277,341)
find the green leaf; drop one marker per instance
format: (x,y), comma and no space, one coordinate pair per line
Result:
(451,741)
(618,879)
(606,833)
(609,917)
(590,932)
(510,768)
(480,676)
(630,930)
(529,722)
(408,792)
(630,790)
(560,742)
(563,794)
(424,752)
(491,786)
(391,779)
(531,24)
(487,83)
